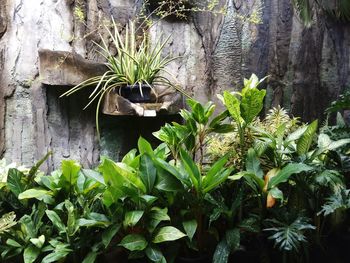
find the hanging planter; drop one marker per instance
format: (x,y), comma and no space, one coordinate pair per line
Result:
(132,71)
(137,93)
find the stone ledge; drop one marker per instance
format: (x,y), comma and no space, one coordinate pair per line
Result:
(62,68)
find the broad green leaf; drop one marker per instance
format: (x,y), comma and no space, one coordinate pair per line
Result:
(28,226)
(132,218)
(174,171)
(284,174)
(36,193)
(38,242)
(323,141)
(233,239)
(60,252)
(214,170)
(30,254)
(154,253)
(217,179)
(70,171)
(150,199)
(122,178)
(218,119)
(198,113)
(276,193)
(90,258)
(56,221)
(71,218)
(190,228)
(134,242)
(14,181)
(13,243)
(148,172)
(252,103)
(109,233)
(305,141)
(296,134)
(167,233)
(337,144)
(159,214)
(144,146)
(191,169)
(129,157)
(233,106)
(166,180)
(222,252)
(94,175)
(253,164)
(84,222)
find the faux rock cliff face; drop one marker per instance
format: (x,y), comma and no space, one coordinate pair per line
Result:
(308,69)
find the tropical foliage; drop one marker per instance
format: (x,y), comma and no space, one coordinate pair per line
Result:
(277,191)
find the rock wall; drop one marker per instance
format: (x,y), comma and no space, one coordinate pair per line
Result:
(308,68)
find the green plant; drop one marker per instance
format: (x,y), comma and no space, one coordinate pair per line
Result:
(67,211)
(339,9)
(182,8)
(289,234)
(135,187)
(137,62)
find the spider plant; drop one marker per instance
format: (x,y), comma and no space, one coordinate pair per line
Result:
(136,63)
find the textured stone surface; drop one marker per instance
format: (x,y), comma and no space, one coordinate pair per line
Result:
(308,68)
(66,68)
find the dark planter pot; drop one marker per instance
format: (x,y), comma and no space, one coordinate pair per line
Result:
(133,93)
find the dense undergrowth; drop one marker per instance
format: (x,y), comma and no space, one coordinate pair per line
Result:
(225,188)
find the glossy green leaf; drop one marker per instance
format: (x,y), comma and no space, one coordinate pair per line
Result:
(109,234)
(222,252)
(233,239)
(90,258)
(159,214)
(154,253)
(148,172)
(134,242)
(233,106)
(276,193)
(284,174)
(70,171)
(191,169)
(38,242)
(132,218)
(190,227)
(60,252)
(253,164)
(36,193)
(305,141)
(14,181)
(93,175)
(30,254)
(214,170)
(174,171)
(167,233)
(56,221)
(144,146)
(252,103)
